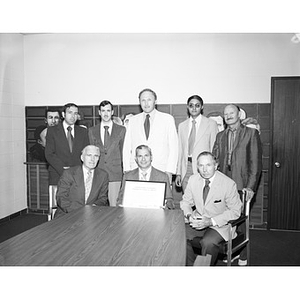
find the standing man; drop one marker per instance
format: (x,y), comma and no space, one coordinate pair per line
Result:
(82,185)
(64,143)
(239,152)
(196,134)
(217,201)
(154,129)
(109,137)
(145,172)
(52,117)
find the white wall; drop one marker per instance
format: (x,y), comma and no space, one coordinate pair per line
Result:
(12,125)
(87,68)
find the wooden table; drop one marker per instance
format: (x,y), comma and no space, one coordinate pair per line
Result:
(102,236)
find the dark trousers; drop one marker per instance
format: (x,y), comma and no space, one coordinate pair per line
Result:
(209,243)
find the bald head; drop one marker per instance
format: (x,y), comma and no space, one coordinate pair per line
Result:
(232,115)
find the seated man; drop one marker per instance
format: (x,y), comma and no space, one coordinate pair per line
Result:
(145,172)
(217,201)
(82,185)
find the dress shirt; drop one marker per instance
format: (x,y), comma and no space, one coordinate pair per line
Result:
(102,130)
(85,173)
(198,121)
(147,176)
(151,119)
(210,182)
(65,125)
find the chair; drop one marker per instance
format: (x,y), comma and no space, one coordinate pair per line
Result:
(242,240)
(231,247)
(202,260)
(52,201)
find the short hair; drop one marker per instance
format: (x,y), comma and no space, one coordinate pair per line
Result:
(85,148)
(104,103)
(141,147)
(53,109)
(148,90)
(195,97)
(68,105)
(207,153)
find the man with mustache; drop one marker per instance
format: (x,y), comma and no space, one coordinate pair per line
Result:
(239,152)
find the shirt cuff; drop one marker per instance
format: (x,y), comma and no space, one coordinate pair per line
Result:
(213,222)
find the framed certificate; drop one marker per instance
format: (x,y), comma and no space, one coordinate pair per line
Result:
(144,194)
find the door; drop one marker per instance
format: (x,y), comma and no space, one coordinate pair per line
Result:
(284,200)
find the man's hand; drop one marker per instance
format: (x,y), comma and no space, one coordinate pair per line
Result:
(170,204)
(170,177)
(202,223)
(178,180)
(249,193)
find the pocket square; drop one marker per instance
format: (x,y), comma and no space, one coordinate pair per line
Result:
(217,201)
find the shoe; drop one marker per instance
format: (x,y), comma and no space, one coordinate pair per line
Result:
(242,262)
(232,260)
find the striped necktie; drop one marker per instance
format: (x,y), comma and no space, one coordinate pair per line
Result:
(70,138)
(88,184)
(205,190)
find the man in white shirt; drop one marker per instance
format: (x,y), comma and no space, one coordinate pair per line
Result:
(146,172)
(109,137)
(216,201)
(154,129)
(195,135)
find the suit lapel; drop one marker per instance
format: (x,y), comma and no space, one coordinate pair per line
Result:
(80,183)
(201,129)
(94,186)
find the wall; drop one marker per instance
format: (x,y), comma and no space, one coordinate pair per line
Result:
(12,125)
(222,68)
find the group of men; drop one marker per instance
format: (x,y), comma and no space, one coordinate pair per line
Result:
(90,166)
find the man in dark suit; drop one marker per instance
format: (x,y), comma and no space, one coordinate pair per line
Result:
(64,143)
(145,172)
(109,137)
(239,152)
(82,185)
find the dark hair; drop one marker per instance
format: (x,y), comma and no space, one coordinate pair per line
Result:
(53,109)
(207,153)
(148,90)
(104,103)
(195,97)
(140,147)
(68,105)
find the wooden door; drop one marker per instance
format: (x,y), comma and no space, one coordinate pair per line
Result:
(284,199)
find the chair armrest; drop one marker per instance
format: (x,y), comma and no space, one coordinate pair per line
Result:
(237,221)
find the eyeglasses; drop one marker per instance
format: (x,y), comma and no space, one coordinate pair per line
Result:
(195,105)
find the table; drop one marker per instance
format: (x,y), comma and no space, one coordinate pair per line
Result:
(101,236)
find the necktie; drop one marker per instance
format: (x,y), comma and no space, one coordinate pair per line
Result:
(88,184)
(70,138)
(106,136)
(231,134)
(192,138)
(205,190)
(147,126)
(144,176)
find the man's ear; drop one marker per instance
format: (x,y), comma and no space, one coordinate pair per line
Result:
(63,114)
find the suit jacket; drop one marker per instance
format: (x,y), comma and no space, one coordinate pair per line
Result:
(58,153)
(71,190)
(223,202)
(156,175)
(163,141)
(111,158)
(204,141)
(246,161)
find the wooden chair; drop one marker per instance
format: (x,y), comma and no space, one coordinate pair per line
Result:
(52,201)
(202,260)
(230,248)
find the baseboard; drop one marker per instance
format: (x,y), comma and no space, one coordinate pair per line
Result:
(14,215)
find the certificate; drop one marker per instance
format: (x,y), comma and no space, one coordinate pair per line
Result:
(144,194)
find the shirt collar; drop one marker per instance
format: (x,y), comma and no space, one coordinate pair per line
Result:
(198,119)
(65,125)
(151,114)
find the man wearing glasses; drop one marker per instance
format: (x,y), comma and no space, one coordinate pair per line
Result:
(195,135)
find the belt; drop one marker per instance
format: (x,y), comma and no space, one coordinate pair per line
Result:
(189,159)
